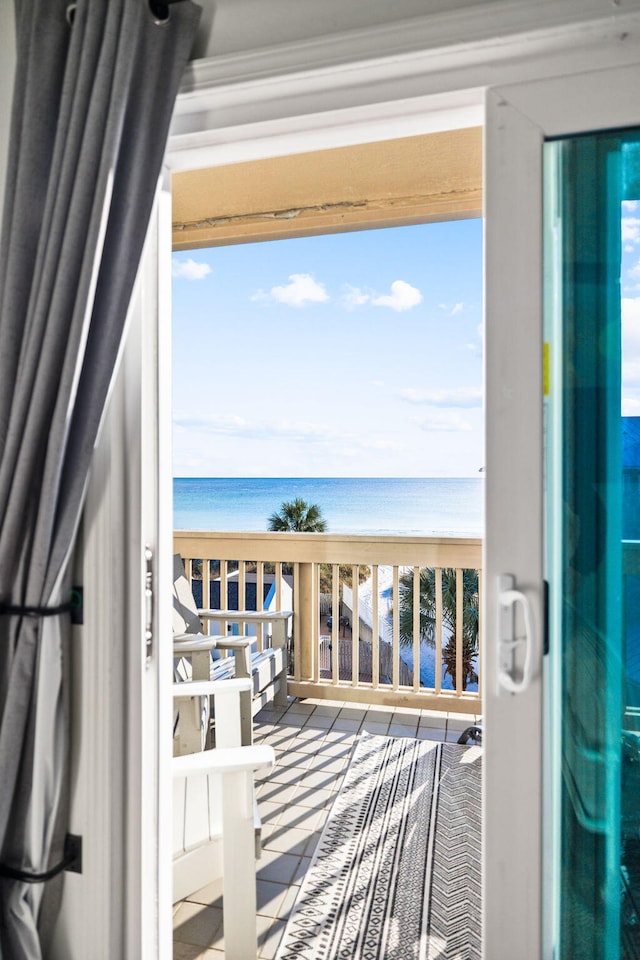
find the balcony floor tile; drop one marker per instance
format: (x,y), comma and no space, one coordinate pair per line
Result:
(277,866)
(399,729)
(270,896)
(432,719)
(375,726)
(186,951)
(315,799)
(284,839)
(350,726)
(324,709)
(313,747)
(197,924)
(301,706)
(431,733)
(319,722)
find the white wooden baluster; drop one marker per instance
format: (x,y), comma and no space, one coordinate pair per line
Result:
(438,656)
(260,601)
(206,590)
(355,627)
(459,628)
(416,628)
(395,676)
(335,613)
(375,626)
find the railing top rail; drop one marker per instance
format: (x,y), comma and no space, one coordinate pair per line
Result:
(330,548)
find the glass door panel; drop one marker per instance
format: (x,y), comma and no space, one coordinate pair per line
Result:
(592,454)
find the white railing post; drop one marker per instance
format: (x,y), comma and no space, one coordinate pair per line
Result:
(206,586)
(459,629)
(307,620)
(438,654)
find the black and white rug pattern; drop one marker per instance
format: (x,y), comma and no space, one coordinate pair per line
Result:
(396,874)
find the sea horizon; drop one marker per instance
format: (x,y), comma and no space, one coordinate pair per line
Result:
(410,506)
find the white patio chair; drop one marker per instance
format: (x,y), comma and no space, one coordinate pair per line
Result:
(216,825)
(267,668)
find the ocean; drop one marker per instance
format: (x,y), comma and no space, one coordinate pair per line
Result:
(376,506)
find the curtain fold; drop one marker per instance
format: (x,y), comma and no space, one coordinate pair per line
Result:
(91,113)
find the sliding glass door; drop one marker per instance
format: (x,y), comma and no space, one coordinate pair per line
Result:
(592,243)
(562,768)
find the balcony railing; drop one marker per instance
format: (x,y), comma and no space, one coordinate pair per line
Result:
(417,602)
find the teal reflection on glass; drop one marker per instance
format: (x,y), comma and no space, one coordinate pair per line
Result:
(592,319)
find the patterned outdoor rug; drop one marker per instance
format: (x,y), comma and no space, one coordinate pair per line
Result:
(396,874)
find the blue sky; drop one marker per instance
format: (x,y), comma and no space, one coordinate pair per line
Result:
(354,354)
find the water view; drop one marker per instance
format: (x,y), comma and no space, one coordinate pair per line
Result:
(429,507)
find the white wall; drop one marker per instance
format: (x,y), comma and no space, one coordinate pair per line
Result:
(234,26)
(239,27)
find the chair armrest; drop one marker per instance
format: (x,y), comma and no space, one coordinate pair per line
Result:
(277,618)
(246,616)
(225,760)
(195,642)
(206,688)
(234,643)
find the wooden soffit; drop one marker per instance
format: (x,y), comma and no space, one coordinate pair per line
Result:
(437,176)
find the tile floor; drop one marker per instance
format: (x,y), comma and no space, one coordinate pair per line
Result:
(312,740)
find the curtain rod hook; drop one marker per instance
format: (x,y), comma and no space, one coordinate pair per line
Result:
(70,14)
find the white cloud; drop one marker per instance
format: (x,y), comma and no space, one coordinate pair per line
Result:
(227,425)
(354,297)
(443,421)
(402,297)
(630,232)
(367,443)
(321,435)
(189,269)
(236,426)
(476,348)
(296,431)
(450,309)
(301,290)
(461,397)
(630,205)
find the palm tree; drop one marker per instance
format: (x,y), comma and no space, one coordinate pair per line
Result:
(298,516)
(345,575)
(427,619)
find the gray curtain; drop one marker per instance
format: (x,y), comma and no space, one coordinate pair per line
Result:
(92,105)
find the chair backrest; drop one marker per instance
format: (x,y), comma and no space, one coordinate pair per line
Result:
(185,612)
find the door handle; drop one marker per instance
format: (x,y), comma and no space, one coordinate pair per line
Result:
(508,643)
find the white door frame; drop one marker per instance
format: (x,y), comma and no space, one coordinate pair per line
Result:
(121,739)
(223,121)
(518,120)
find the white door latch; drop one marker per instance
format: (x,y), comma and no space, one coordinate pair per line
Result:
(509,643)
